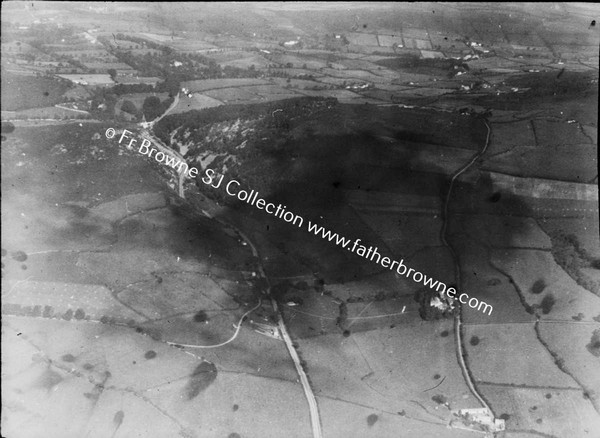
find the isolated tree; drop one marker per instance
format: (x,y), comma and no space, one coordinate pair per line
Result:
(129,107)
(7,127)
(112,72)
(538,287)
(201,316)
(372,419)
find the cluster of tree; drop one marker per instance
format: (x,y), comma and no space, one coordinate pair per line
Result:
(175,67)
(424,297)
(103,103)
(573,258)
(188,65)
(129,107)
(153,107)
(142,42)
(39,311)
(192,121)
(48,33)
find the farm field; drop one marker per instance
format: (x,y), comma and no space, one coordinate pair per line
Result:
(569,299)
(211,84)
(326,356)
(549,410)
(196,102)
(24,92)
(94,79)
(51,112)
(498,343)
(458,138)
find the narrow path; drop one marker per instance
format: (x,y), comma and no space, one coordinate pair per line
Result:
(231,339)
(443,232)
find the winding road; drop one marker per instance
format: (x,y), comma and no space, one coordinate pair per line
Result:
(443,232)
(310,397)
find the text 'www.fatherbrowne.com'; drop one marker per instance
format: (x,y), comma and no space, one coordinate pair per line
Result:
(233,188)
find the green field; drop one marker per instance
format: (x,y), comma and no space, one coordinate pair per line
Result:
(24,92)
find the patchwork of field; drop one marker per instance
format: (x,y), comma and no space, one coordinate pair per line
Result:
(94,326)
(576,163)
(498,344)
(383,369)
(346,418)
(129,311)
(81,371)
(555,412)
(527,267)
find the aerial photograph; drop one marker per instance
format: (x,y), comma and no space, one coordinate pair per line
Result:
(300,220)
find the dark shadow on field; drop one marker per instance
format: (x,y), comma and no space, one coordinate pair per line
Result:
(311,169)
(180,231)
(480,199)
(315,187)
(200,379)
